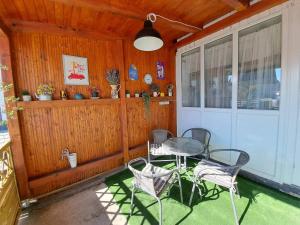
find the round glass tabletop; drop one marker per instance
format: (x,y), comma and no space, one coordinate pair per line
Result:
(183,146)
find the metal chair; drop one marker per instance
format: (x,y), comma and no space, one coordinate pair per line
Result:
(202,135)
(220,174)
(155,147)
(154,181)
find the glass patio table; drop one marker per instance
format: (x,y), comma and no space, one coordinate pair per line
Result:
(182,147)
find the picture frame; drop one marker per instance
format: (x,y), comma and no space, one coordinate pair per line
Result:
(75,70)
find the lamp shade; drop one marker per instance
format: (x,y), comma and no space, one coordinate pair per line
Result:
(148,39)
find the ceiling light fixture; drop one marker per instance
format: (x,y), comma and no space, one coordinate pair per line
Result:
(149,39)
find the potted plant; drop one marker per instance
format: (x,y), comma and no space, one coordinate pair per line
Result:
(170,88)
(44,92)
(154,89)
(113,78)
(26,96)
(72,157)
(94,92)
(127,93)
(146,99)
(136,94)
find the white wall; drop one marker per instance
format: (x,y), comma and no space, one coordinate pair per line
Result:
(272,138)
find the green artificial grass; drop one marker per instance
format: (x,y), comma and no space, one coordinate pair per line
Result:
(258,204)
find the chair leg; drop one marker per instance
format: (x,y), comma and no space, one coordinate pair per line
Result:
(231,191)
(237,191)
(192,194)
(160,211)
(180,187)
(132,196)
(214,189)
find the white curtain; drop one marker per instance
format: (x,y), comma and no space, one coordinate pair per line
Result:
(260,66)
(190,78)
(218,73)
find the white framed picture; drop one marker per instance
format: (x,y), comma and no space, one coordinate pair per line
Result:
(75,70)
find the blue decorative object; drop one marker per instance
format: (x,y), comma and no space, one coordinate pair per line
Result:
(133,73)
(78,96)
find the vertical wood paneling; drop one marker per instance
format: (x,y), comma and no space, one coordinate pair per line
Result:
(93,131)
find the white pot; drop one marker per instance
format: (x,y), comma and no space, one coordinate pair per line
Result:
(115,91)
(44,97)
(26,98)
(155,94)
(127,95)
(170,93)
(72,157)
(137,95)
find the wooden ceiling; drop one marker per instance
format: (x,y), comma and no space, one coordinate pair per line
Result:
(113,18)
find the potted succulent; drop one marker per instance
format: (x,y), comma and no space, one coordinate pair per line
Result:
(94,92)
(113,78)
(154,89)
(26,96)
(170,88)
(136,94)
(44,92)
(127,93)
(72,157)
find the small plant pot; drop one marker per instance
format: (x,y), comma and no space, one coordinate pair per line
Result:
(170,94)
(26,98)
(155,94)
(72,157)
(127,95)
(137,95)
(44,97)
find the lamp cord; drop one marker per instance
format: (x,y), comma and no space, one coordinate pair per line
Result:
(152,17)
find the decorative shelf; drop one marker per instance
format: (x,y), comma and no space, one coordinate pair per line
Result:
(153,99)
(67,103)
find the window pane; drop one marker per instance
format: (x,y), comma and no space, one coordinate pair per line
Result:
(260,66)
(190,78)
(218,73)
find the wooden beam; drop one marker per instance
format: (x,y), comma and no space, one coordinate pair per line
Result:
(235,18)
(238,5)
(123,10)
(123,115)
(28,26)
(14,124)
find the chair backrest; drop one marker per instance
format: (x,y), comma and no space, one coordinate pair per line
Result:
(200,134)
(243,159)
(145,183)
(161,135)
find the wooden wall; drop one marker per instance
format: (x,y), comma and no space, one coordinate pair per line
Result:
(102,132)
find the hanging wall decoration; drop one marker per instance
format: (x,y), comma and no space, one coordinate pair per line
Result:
(133,73)
(160,70)
(75,70)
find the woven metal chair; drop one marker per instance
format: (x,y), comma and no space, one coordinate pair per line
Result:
(155,147)
(202,135)
(154,181)
(220,174)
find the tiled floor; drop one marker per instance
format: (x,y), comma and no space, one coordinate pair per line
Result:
(92,206)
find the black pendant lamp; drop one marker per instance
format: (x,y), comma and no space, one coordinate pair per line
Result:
(148,39)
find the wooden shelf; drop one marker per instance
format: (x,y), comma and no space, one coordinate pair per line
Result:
(153,99)
(67,103)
